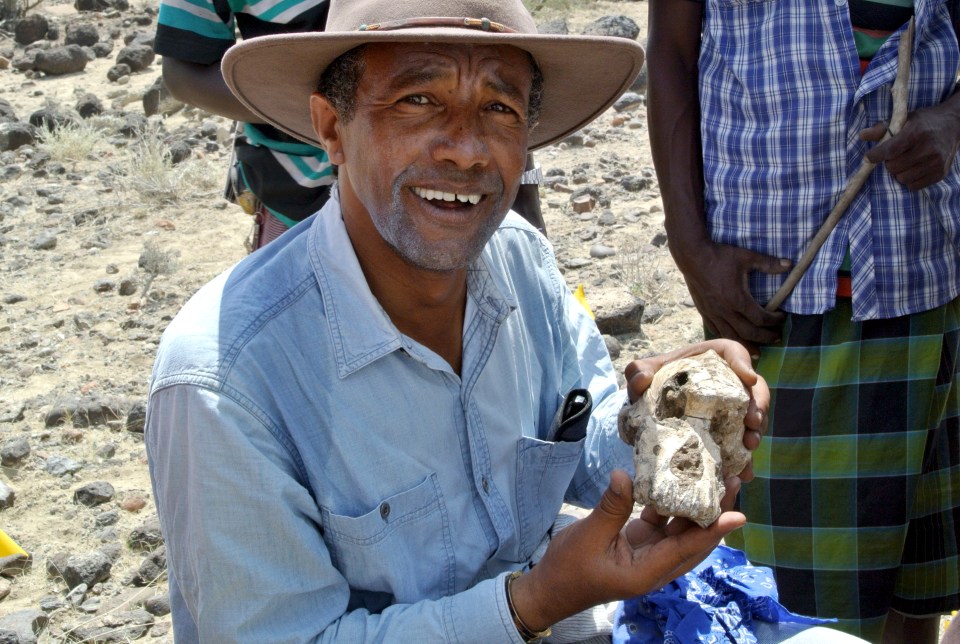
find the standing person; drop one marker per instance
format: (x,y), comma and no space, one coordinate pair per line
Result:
(359,434)
(278,179)
(759,110)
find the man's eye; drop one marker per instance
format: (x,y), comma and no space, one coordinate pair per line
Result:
(417,99)
(504,109)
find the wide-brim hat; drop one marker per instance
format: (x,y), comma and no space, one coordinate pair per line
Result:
(275,75)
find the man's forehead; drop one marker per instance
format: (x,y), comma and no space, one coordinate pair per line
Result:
(403,54)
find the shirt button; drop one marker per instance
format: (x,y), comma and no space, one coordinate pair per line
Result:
(486,486)
(384,511)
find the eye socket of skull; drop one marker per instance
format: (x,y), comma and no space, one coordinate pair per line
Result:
(673,397)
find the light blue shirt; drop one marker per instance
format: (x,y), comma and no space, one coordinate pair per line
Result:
(320,476)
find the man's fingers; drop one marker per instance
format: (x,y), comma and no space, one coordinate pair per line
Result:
(874,132)
(732,484)
(615,505)
(639,375)
(772,265)
(756,418)
(681,552)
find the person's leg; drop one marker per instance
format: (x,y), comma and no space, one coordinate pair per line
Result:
(929,581)
(837,475)
(900,628)
(527,202)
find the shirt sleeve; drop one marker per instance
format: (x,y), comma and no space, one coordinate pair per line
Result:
(245,545)
(194,31)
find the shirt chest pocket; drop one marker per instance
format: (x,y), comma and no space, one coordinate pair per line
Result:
(545,470)
(402,547)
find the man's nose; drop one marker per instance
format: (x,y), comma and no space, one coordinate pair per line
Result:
(463,142)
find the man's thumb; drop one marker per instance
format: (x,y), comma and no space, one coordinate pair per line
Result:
(616,504)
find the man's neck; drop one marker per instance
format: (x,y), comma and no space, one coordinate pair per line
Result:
(427,306)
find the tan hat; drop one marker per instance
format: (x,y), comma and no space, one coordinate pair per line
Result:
(583,75)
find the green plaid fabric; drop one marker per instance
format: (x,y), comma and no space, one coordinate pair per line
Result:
(856,501)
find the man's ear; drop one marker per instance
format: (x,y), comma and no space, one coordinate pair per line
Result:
(325,120)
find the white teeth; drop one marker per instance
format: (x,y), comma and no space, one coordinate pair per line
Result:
(426,193)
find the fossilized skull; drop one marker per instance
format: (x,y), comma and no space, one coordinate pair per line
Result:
(687,433)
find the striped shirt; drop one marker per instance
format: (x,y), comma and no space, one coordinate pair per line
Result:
(874,21)
(291,178)
(782,102)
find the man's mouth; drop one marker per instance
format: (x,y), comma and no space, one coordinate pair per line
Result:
(439,195)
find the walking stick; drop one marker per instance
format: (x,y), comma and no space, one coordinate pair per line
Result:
(855,182)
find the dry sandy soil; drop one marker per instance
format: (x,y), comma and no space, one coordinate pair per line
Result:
(76,331)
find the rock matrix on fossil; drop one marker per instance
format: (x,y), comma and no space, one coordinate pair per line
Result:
(687,434)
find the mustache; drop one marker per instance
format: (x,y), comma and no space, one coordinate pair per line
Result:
(485,181)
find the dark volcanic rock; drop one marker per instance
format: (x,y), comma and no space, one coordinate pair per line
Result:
(91,5)
(68,59)
(158,100)
(87,569)
(84,34)
(93,494)
(89,105)
(27,624)
(624,318)
(7,113)
(31,28)
(15,135)
(137,57)
(52,118)
(616,26)
(117,72)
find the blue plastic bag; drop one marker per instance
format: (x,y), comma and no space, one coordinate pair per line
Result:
(717,601)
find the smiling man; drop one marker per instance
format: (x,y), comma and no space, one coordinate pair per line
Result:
(362,432)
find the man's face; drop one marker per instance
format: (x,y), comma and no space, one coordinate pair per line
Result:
(435,147)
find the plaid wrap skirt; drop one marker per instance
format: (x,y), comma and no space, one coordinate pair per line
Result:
(856,501)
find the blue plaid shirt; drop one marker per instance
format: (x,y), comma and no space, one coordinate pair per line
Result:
(782,103)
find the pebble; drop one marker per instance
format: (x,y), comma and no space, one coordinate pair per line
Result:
(58,465)
(14,451)
(88,569)
(93,494)
(133,503)
(146,536)
(600,251)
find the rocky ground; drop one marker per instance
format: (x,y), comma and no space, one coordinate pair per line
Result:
(102,239)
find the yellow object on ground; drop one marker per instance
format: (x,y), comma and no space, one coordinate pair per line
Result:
(582,298)
(8,546)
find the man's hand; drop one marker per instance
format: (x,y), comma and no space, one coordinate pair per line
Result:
(603,557)
(717,277)
(922,153)
(639,375)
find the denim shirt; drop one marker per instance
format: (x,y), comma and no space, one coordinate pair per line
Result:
(782,103)
(320,476)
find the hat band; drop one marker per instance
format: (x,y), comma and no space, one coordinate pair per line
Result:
(483,24)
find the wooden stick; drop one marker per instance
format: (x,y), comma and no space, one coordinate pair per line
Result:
(854,183)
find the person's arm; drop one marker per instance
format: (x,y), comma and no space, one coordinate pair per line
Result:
(607,556)
(716,275)
(203,86)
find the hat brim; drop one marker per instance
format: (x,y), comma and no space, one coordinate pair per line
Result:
(274,76)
